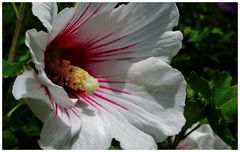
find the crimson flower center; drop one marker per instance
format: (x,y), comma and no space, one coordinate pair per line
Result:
(61,71)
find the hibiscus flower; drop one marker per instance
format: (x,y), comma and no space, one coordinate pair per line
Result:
(202,138)
(102,73)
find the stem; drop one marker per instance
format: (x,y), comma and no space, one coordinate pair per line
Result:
(20,103)
(178,137)
(6,119)
(182,135)
(191,131)
(15,10)
(7,94)
(18,31)
(170,143)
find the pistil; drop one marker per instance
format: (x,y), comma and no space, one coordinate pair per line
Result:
(76,78)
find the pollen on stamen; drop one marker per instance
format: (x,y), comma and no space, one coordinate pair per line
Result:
(65,74)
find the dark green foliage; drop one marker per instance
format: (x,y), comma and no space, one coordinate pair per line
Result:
(216,104)
(12,69)
(210,39)
(23,128)
(115,145)
(201,85)
(209,47)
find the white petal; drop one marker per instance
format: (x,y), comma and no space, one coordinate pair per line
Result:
(110,124)
(205,138)
(77,15)
(136,31)
(154,95)
(45,13)
(60,129)
(128,135)
(27,86)
(37,42)
(187,143)
(219,143)
(95,132)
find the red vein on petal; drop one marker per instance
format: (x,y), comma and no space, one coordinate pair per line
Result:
(108,43)
(74,112)
(70,23)
(99,40)
(101,52)
(81,24)
(48,93)
(103,77)
(93,100)
(109,100)
(81,17)
(56,108)
(108,81)
(67,113)
(88,101)
(125,58)
(113,54)
(115,90)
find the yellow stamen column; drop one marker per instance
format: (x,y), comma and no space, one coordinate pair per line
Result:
(73,77)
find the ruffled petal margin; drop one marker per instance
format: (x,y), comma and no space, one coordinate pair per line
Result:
(45,13)
(151,95)
(37,42)
(26,86)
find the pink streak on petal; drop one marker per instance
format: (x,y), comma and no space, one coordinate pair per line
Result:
(100,53)
(99,40)
(73,110)
(103,77)
(67,113)
(125,58)
(56,108)
(69,25)
(108,81)
(113,54)
(108,43)
(81,24)
(48,93)
(78,19)
(93,100)
(115,90)
(88,101)
(108,100)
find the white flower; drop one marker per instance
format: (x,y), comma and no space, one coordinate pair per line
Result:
(102,73)
(202,138)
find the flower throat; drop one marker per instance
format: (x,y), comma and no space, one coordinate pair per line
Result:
(61,72)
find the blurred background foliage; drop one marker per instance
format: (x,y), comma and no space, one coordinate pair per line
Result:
(208,61)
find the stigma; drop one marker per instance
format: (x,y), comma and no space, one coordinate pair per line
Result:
(76,78)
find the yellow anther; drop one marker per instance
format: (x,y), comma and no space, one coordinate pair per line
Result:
(73,77)
(91,84)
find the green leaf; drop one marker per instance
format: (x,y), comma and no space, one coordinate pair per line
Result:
(229,110)
(115,145)
(220,126)
(9,139)
(222,90)
(221,83)
(223,97)
(197,36)
(199,84)
(194,112)
(11,69)
(217,31)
